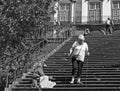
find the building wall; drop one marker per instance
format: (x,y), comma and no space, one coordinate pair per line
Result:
(56,5)
(106,9)
(84,11)
(72,12)
(80,8)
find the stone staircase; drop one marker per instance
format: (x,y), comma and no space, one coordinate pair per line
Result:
(25,84)
(101,70)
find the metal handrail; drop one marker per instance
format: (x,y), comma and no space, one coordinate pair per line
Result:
(17,57)
(31,51)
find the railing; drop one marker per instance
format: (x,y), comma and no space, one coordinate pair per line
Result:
(94,20)
(20,64)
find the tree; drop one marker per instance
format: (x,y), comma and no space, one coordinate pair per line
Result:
(19,18)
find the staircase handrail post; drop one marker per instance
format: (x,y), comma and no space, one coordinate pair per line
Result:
(7,77)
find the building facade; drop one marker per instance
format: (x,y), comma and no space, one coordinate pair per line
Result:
(87,11)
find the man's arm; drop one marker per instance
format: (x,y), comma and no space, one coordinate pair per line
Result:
(112,22)
(72,48)
(87,53)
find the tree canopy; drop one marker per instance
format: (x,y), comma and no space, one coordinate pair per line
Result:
(19,18)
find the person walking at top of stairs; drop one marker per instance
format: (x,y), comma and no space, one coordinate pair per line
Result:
(109,26)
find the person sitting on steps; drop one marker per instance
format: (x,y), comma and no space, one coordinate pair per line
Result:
(44,80)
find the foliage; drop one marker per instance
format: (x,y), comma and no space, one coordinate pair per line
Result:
(19,18)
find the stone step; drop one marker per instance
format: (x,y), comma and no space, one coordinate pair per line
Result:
(83,89)
(90,78)
(25,82)
(87,60)
(88,84)
(25,89)
(84,71)
(85,65)
(86,74)
(61,62)
(24,85)
(68,62)
(69,69)
(90,57)
(85,84)
(26,79)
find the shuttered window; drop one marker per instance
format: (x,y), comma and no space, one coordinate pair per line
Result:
(116,4)
(78,11)
(64,11)
(95,12)
(116,11)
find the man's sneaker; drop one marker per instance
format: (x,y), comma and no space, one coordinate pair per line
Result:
(71,82)
(79,83)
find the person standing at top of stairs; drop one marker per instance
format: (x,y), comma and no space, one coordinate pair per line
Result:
(77,53)
(109,26)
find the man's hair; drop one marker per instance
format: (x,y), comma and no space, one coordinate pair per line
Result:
(81,37)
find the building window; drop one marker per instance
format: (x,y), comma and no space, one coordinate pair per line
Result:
(92,6)
(64,11)
(94,12)
(116,11)
(116,4)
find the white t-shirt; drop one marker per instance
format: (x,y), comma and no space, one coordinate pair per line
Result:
(79,50)
(108,22)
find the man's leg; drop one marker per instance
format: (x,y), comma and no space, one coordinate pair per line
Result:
(111,30)
(103,31)
(107,29)
(80,65)
(73,69)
